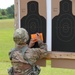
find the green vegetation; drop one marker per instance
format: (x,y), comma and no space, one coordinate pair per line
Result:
(7,13)
(6,43)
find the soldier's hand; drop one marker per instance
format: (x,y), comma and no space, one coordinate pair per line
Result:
(38,36)
(32,42)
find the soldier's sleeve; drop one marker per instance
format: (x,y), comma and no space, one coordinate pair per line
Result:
(42,51)
(33,54)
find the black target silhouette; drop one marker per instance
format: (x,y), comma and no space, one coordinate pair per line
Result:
(33,22)
(63,28)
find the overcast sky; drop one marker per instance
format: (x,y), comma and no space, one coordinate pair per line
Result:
(6,3)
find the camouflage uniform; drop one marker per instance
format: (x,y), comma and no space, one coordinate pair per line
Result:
(23,59)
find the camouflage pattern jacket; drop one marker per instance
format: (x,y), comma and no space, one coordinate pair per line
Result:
(23,58)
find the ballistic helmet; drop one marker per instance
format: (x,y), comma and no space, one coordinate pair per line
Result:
(20,36)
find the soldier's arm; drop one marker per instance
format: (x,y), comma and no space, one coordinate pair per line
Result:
(33,54)
(42,45)
(42,50)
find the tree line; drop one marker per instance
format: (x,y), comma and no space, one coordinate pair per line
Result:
(7,13)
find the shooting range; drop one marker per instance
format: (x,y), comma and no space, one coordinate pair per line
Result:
(56,21)
(29,15)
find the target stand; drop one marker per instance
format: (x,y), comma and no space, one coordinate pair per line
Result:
(31,15)
(63,28)
(33,22)
(63,33)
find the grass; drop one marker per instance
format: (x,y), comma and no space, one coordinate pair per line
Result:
(6,43)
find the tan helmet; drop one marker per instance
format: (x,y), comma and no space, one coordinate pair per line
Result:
(20,36)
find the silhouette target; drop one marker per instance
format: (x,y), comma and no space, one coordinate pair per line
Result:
(33,22)
(63,28)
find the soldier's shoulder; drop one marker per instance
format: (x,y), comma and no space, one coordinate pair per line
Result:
(12,50)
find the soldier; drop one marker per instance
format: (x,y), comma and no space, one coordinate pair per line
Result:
(23,57)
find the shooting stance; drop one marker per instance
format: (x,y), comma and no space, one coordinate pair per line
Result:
(23,57)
